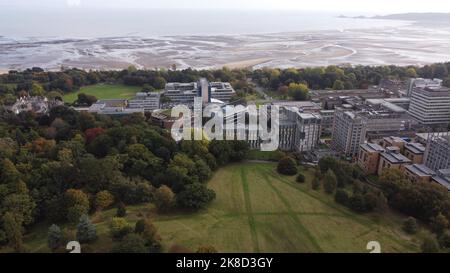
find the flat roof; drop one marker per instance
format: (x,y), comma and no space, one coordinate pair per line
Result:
(372,147)
(443,181)
(420,170)
(415,148)
(394,138)
(395,158)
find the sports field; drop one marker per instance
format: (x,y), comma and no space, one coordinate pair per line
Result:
(257,210)
(105,91)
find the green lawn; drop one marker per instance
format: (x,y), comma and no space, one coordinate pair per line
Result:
(257,210)
(105,91)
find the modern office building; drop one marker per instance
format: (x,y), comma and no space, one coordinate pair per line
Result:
(113,107)
(421,83)
(430,106)
(350,126)
(437,155)
(147,101)
(184,93)
(181,93)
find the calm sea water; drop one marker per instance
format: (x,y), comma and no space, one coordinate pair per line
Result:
(89,23)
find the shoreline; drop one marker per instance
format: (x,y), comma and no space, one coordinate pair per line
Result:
(281,50)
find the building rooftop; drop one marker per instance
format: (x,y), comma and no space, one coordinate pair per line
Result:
(307,105)
(392,139)
(415,148)
(443,180)
(371,147)
(112,102)
(395,158)
(420,170)
(424,136)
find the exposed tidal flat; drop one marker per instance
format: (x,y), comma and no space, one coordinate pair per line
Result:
(400,44)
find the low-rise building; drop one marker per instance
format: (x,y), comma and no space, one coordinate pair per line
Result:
(415,152)
(392,160)
(163,119)
(442,178)
(392,141)
(369,157)
(148,101)
(419,173)
(113,107)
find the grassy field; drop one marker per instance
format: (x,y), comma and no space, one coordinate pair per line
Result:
(257,210)
(105,91)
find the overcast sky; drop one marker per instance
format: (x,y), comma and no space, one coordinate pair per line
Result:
(366,6)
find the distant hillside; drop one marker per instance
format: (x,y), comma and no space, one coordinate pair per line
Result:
(431,16)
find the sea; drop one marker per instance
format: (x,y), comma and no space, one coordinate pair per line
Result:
(79,22)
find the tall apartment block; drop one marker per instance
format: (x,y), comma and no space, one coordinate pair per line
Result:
(430,106)
(298,131)
(437,156)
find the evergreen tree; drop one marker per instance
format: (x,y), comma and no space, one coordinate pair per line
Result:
(86,231)
(316,184)
(121,210)
(410,225)
(329,182)
(54,237)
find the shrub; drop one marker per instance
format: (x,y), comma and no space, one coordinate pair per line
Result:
(300,178)
(410,225)
(430,245)
(316,184)
(287,166)
(121,210)
(195,196)
(119,228)
(341,197)
(329,182)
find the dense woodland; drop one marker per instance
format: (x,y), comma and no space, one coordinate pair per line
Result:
(64,165)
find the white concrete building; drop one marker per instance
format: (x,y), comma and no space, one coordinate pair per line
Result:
(431,105)
(148,101)
(185,93)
